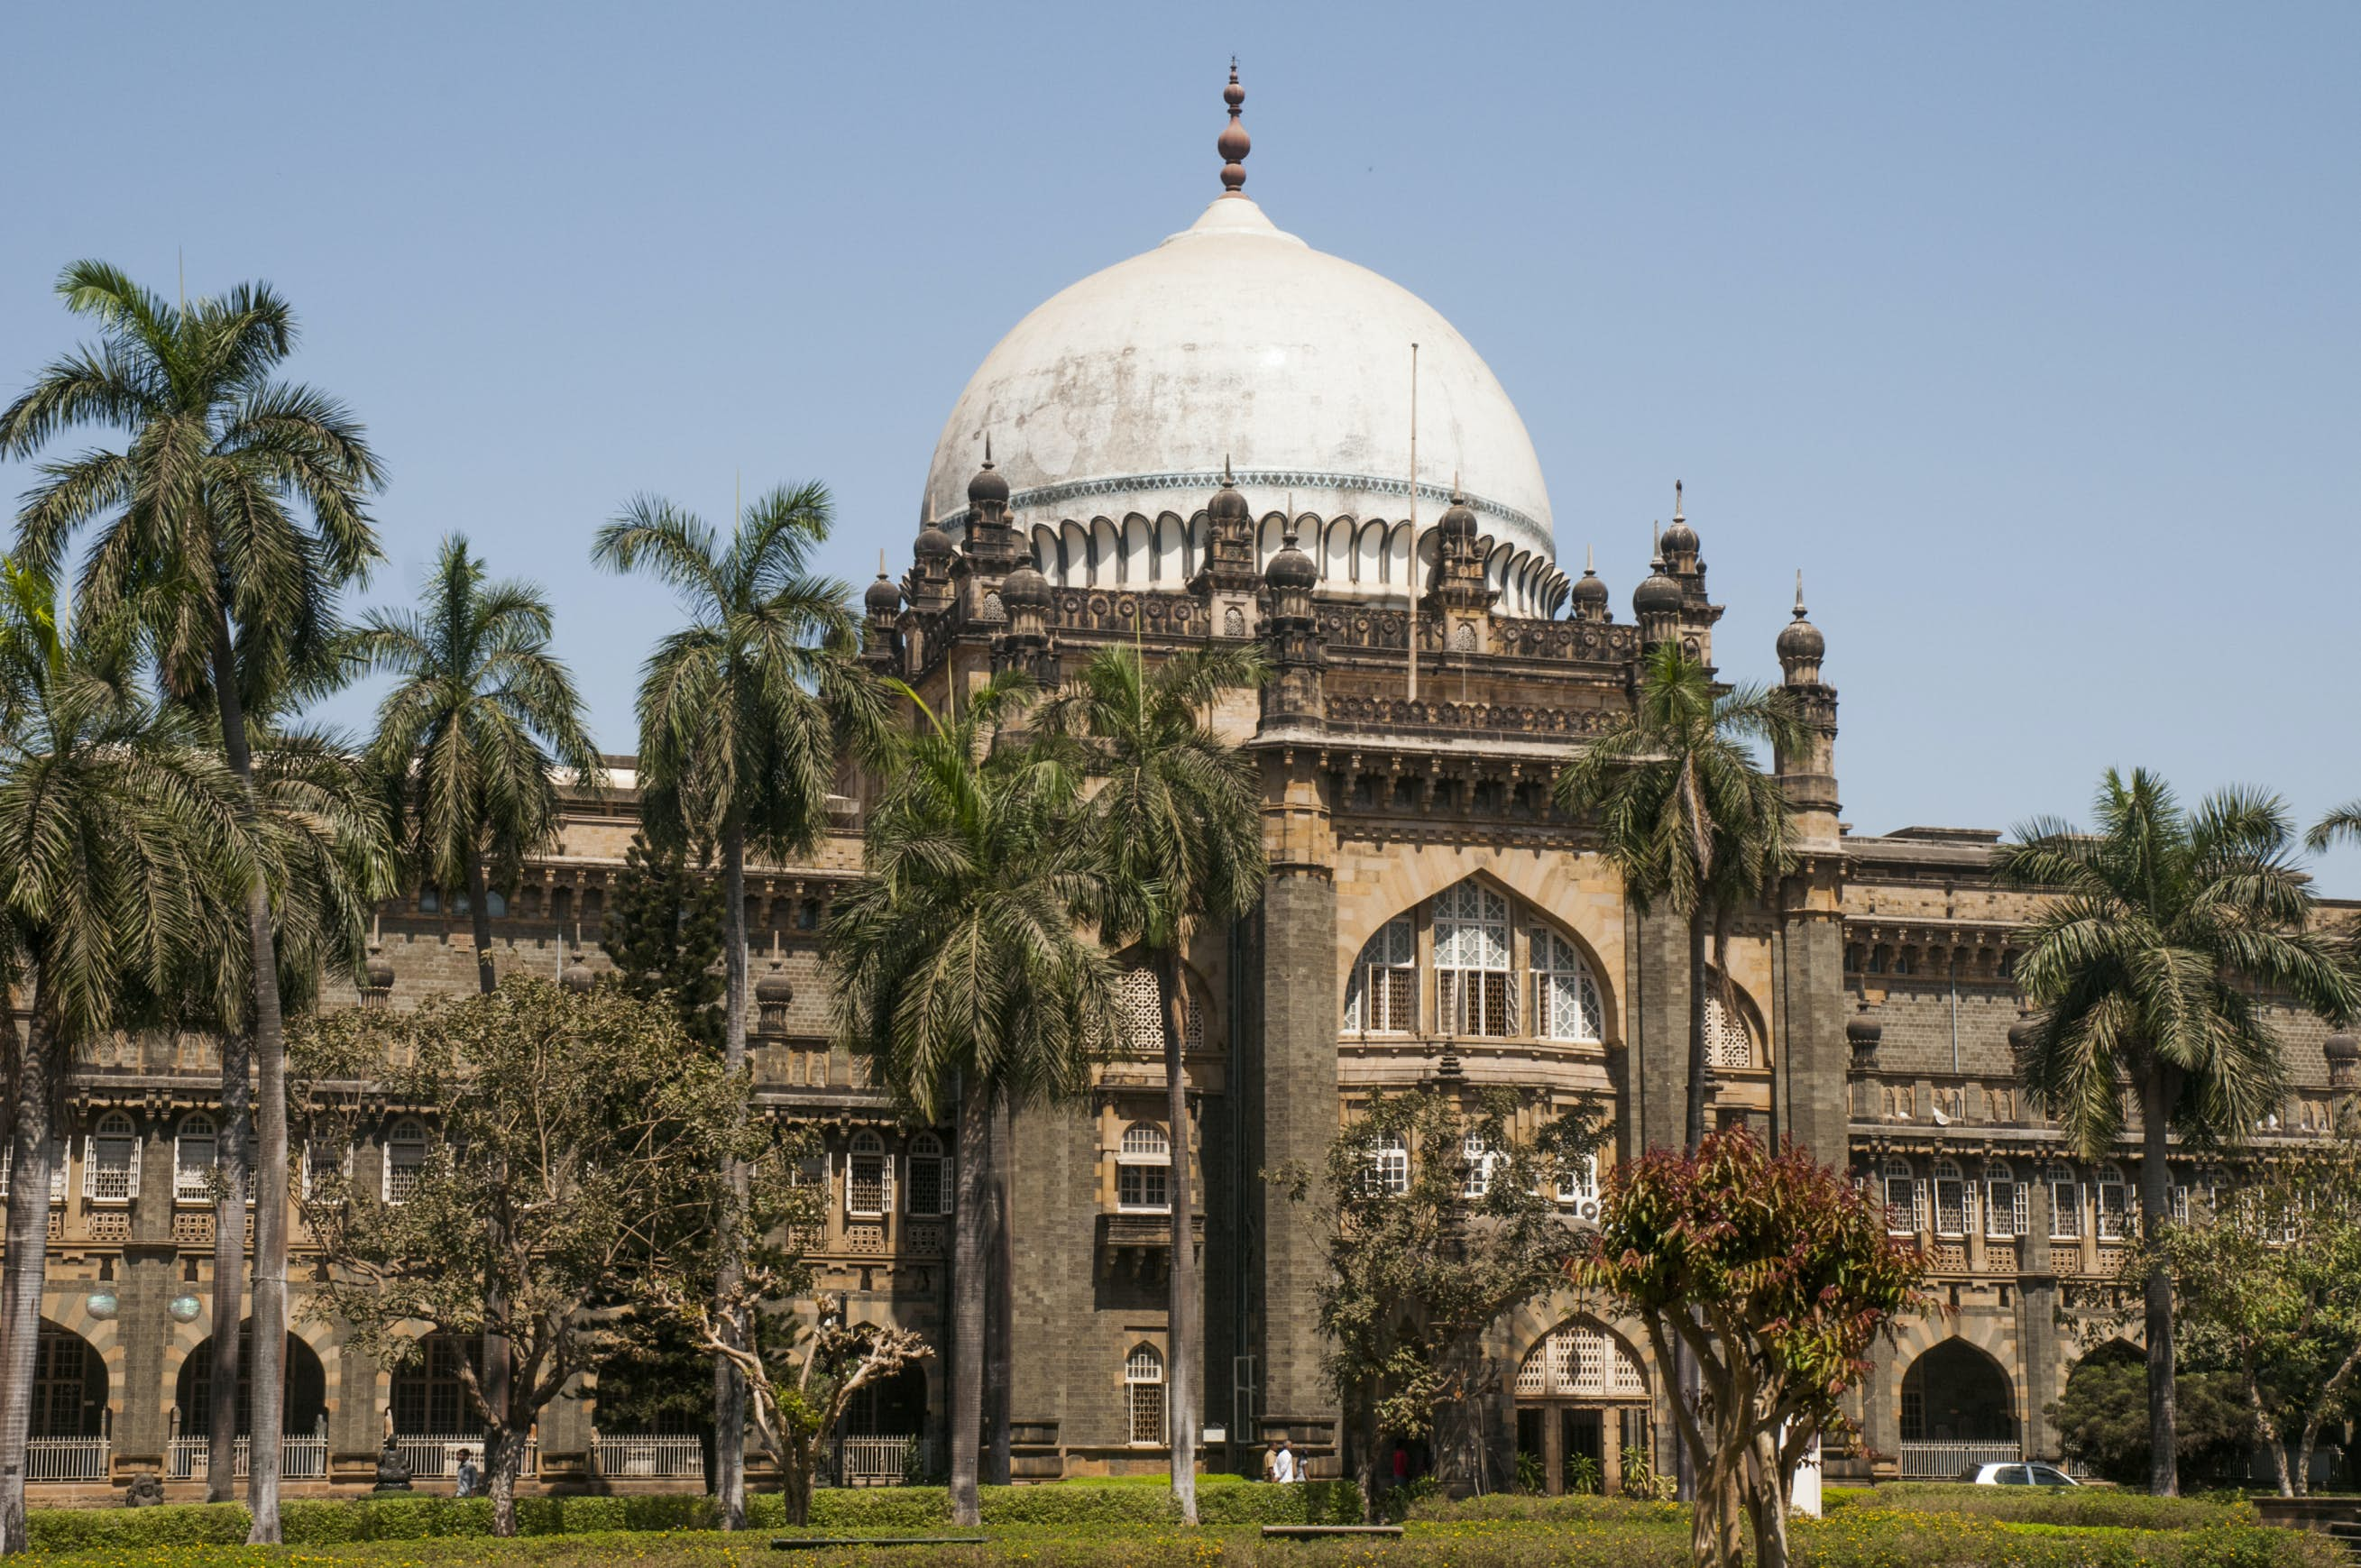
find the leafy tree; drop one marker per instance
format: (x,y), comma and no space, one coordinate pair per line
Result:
(1780,1277)
(1428,1244)
(743,715)
(663,934)
(582,1126)
(469,740)
(2101,1419)
(233,517)
(1176,824)
(963,972)
(2151,967)
(2268,1289)
(114,819)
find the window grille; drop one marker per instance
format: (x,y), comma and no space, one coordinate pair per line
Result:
(1143,1172)
(322,1158)
(405,1159)
(1473,995)
(2115,1204)
(1727,1043)
(1566,1005)
(929,1191)
(867,1187)
(1143,1377)
(110,1160)
(1901,1196)
(1475,1179)
(1381,993)
(2004,1203)
(1142,1011)
(1950,1200)
(58,1148)
(1581,1361)
(2065,1203)
(195,1153)
(1390,1165)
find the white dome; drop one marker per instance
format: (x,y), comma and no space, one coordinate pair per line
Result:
(1232,341)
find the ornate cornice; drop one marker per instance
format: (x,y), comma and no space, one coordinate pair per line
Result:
(1274,478)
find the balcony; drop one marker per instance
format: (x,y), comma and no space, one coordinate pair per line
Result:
(1137,1244)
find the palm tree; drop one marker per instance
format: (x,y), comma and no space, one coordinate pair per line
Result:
(963,972)
(233,519)
(2150,965)
(1688,817)
(469,738)
(1177,827)
(114,820)
(744,715)
(2345,822)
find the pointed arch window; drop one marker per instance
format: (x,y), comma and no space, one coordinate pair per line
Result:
(2003,1201)
(928,1192)
(1902,1198)
(1473,996)
(1566,1005)
(2115,1204)
(405,1158)
(868,1180)
(1143,1384)
(110,1160)
(195,1148)
(1381,993)
(1727,1042)
(2065,1203)
(1950,1200)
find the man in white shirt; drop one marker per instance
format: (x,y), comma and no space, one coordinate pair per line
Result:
(1282,1469)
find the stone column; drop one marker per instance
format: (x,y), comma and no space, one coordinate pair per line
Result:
(1810,1080)
(1657,1028)
(144,1283)
(2037,1322)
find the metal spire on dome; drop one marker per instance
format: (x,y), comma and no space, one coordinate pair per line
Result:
(1234,144)
(1677,502)
(1799,593)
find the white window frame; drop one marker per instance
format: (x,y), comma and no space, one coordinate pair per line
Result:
(114,1127)
(59,1147)
(1954,1214)
(2116,1220)
(1479,1160)
(2065,1201)
(926,1148)
(1577,1182)
(1143,1369)
(344,1161)
(1562,985)
(866,1148)
(1144,1155)
(1475,959)
(1389,1166)
(1904,1219)
(193,1181)
(1375,1002)
(2004,1202)
(422,1142)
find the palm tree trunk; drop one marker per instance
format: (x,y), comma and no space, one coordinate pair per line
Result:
(728,1383)
(229,1266)
(2155,1195)
(496,1346)
(1000,1357)
(970,1288)
(28,1245)
(1180,1322)
(270,1088)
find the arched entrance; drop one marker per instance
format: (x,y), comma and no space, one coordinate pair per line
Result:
(1582,1399)
(303,1411)
(1957,1410)
(69,1386)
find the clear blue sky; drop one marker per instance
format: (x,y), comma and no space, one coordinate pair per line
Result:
(2028,332)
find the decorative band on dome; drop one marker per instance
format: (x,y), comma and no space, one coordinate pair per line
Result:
(1300,478)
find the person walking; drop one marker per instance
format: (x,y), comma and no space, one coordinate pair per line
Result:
(1283,1468)
(470,1477)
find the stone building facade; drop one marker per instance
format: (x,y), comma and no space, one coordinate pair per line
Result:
(1198,445)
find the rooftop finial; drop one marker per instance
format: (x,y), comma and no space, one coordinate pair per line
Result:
(1677,501)
(1656,545)
(1799,593)
(1226,478)
(1290,538)
(1233,143)
(987,449)
(1589,561)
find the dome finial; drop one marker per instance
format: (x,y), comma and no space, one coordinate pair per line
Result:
(1656,545)
(1677,502)
(1233,143)
(1589,561)
(1799,593)
(1226,478)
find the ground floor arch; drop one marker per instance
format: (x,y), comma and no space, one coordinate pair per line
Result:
(1956,1392)
(69,1386)
(1582,1401)
(303,1411)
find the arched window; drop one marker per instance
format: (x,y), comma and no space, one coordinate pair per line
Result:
(1390,1165)
(1381,993)
(429,1396)
(1902,1218)
(496,903)
(1950,1200)
(1566,999)
(868,1189)
(1475,1173)
(324,1158)
(405,1157)
(2003,1201)
(110,1160)
(1143,1385)
(1727,1042)
(929,1192)
(2115,1204)
(2065,1203)
(1141,1007)
(194,1152)
(1143,1170)
(1579,1360)
(1472,994)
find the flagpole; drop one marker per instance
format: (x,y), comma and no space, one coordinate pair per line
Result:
(1414,523)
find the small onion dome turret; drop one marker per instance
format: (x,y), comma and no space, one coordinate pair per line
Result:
(883,600)
(990,486)
(1799,640)
(1680,541)
(1589,589)
(2341,1049)
(1291,568)
(1228,505)
(1024,588)
(934,543)
(1459,518)
(774,988)
(1863,1032)
(578,977)
(378,972)
(1657,594)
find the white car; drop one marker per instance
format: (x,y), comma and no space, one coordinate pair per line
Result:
(2034,1474)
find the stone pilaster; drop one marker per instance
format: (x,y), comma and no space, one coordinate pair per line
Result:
(1658,989)
(1809,1085)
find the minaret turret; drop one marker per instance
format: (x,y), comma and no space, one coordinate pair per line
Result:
(1810,776)
(1590,599)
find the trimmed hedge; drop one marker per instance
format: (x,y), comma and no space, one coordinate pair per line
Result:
(2074,1505)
